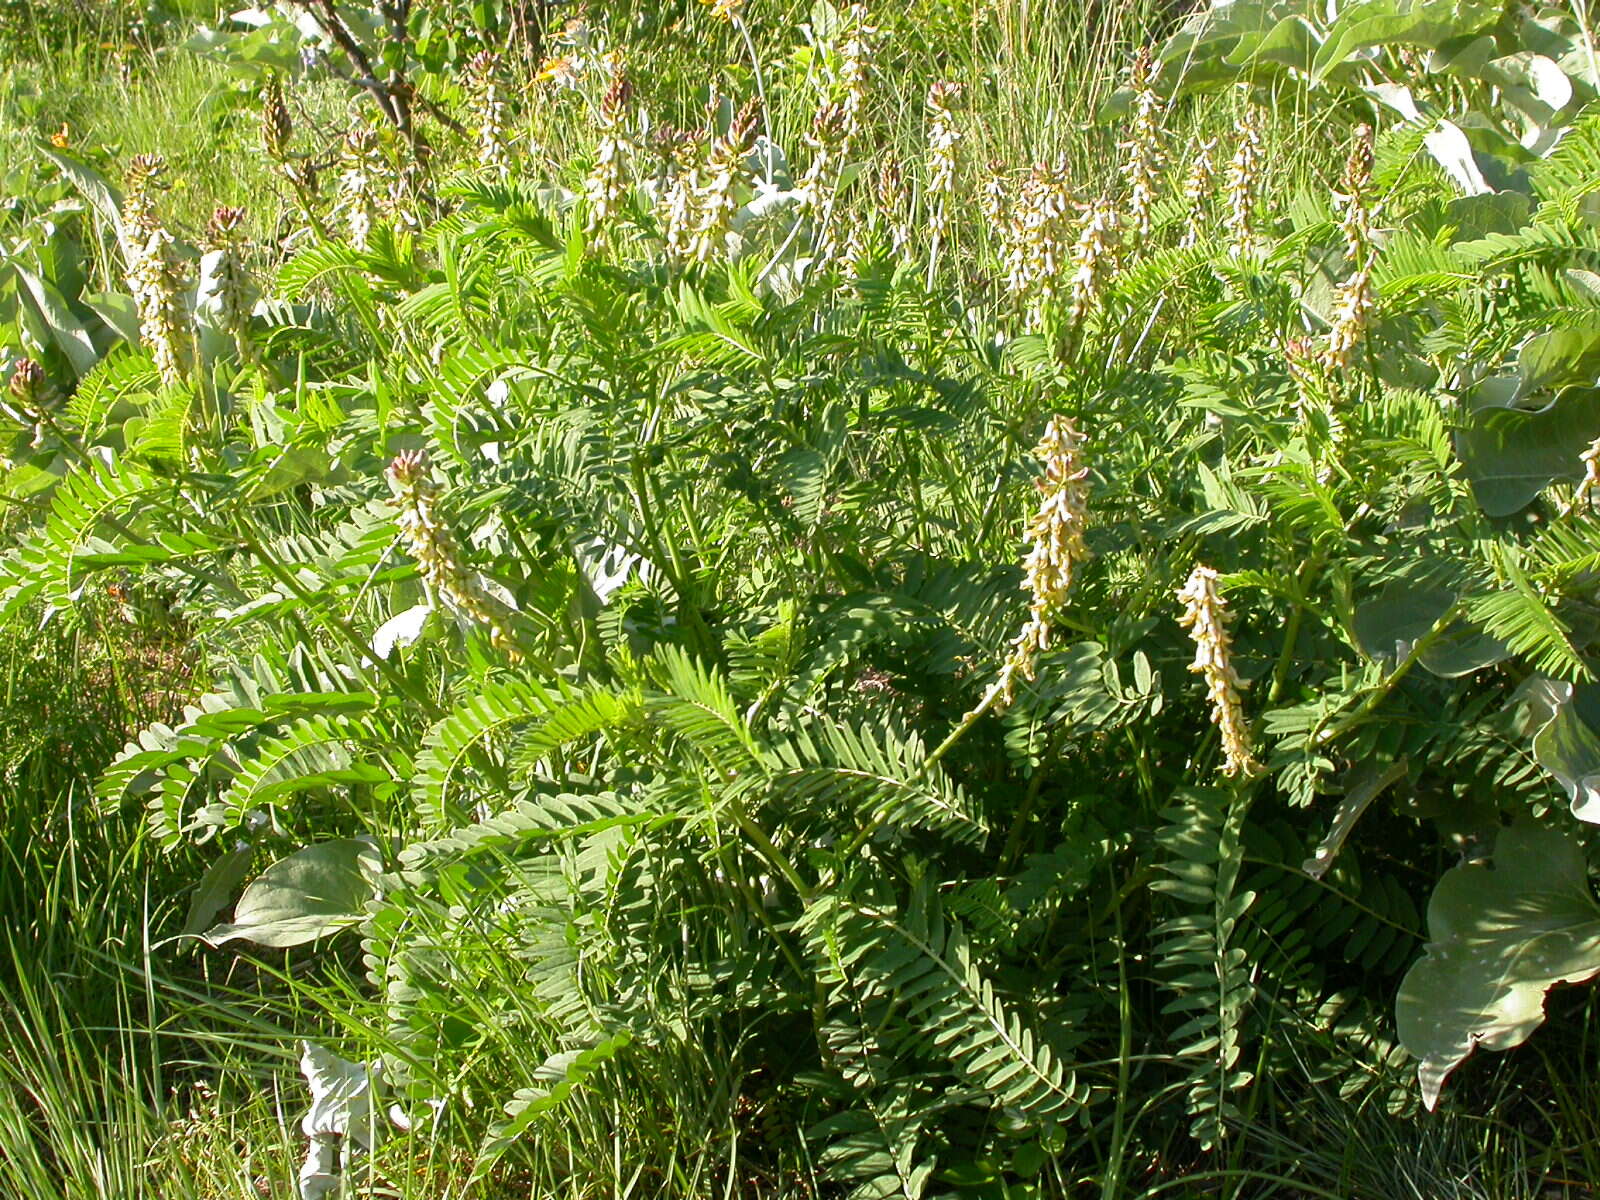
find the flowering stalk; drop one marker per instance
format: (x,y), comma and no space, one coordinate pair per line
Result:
(1039,234)
(1355,197)
(1244,185)
(606,186)
(1354,301)
(1197,192)
(153,275)
(942,139)
(892,206)
(1093,258)
(1145,156)
(230,293)
(277,127)
(361,167)
(819,185)
(487,108)
(677,202)
(855,69)
(1056,547)
(1205,616)
(438,556)
(1352,313)
(277,130)
(716,195)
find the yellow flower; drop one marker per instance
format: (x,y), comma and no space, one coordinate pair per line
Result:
(62,138)
(562,70)
(724,10)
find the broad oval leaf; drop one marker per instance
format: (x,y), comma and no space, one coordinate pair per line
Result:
(1511,455)
(311,893)
(1501,937)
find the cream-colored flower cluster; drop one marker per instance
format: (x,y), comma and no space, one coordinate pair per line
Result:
(1056,547)
(718,184)
(230,289)
(1197,192)
(1355,300)
(677,199)
(607,185)
(361,167)
(1588,490)
(1145,156)
(855,71)
(1244,184)
(1040,234)
(487,108)
(154,277)
(1094,257)
(438,556)
(819,185)
(1205,616)
(943,137)
(893,206)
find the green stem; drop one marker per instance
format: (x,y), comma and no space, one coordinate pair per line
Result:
(1030,799)
(764,845)
(1112,1182)
(1323,737)
(1291,635)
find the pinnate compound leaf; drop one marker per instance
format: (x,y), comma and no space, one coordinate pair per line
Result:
(1501,937)
(559,1076)
(311,893)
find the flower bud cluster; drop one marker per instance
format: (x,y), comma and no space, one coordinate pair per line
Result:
(438,556)
(1205,616)
(1056,547)
(277,127)
(31,397)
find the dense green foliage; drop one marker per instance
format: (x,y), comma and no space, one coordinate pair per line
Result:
(558,568)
